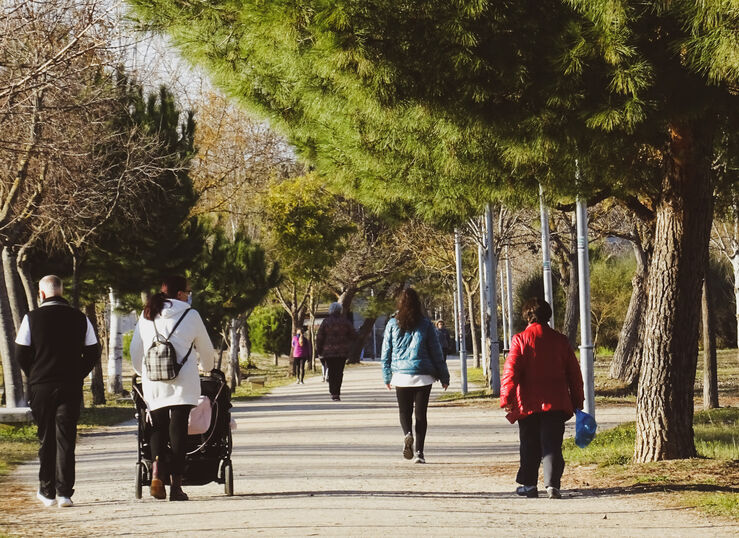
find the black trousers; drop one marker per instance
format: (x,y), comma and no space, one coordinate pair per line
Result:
(335,367)
(408,398)
(169,424)
(541,442)
(300,367)
(56,410)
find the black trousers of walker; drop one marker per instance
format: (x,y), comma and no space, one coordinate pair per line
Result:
(169,424)
(56,410)
(335,367)
(408,398)
(541,443)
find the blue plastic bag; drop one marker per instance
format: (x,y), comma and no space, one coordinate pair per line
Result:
(585,427)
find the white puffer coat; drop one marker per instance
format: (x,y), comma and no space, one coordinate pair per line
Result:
(185,388)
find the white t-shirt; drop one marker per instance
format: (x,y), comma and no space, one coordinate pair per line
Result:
(411,380)
(23,337)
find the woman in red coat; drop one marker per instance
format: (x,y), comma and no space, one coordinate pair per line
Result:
(541,387)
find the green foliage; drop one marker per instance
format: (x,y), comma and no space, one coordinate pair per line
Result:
(305,228)
(610,292)
(270,330)
(233,278)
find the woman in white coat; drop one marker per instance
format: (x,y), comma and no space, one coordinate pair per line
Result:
(169,402)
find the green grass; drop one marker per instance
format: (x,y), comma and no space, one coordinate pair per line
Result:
(18,443)
(717,443)
(276,376)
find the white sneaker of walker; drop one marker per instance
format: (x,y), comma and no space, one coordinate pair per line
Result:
(45,500)
(64,502)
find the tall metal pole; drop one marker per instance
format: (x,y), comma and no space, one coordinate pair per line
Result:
(509,295)
(492,306)
(455,310)
(460,313)
(545,253)
(483,327)
(586,340)
(503,309)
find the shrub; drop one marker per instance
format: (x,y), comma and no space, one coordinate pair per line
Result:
(269,330)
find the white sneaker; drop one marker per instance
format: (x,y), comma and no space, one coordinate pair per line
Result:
(47,502)
(64,502)
(553,493)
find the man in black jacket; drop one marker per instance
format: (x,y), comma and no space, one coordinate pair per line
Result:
(56,348)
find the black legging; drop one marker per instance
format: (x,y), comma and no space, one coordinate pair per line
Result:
(407,397)
(170,424)
(300,367)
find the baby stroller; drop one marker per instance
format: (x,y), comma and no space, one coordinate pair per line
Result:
(208,457)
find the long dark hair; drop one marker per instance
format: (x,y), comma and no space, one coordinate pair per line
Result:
(410,311)
(171,286)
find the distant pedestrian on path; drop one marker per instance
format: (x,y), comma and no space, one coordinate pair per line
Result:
(56,348)
(168,315)
(541,387)
(301,352)
(334,340)
(444,339)
(412,360)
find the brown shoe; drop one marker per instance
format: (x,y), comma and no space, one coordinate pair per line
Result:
(175,490)
(157,486)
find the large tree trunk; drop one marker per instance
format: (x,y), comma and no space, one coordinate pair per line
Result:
(115,347)
(16,298)
(473,329)
(12,376)
(627,358)
(735,267)
(664,425)
(362,335)
(97,385)
(244,343)
(234,369)
(25,276)
(567,257)
(710,376)
(75,278)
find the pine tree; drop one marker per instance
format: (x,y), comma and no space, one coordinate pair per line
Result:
(442,106)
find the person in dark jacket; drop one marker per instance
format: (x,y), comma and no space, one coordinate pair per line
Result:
(444,338)
(56,347)
(541,387)
(412,359)
(334,340)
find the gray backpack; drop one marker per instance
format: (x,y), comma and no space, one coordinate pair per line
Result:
(160,359)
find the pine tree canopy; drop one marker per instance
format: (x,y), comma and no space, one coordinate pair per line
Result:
(445,105)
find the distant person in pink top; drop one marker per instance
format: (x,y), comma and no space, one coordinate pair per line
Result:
(301,352)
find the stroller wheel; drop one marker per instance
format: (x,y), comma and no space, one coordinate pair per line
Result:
(140,472)
(228,478)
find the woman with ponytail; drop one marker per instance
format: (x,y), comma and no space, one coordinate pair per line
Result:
(168,314)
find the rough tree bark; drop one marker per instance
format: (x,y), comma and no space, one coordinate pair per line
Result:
(362,334)
(566,254)
(16,297)
(97,385)
(234,369)
(473,329)
(12,376)
(664,425)
(115,347)
(25,276)
(627,358)
(710,375)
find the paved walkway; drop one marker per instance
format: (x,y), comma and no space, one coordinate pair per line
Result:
(307,466)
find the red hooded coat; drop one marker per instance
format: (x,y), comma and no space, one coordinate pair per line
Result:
(541,373)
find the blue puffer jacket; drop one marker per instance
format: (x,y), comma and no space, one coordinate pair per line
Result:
(415,352)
